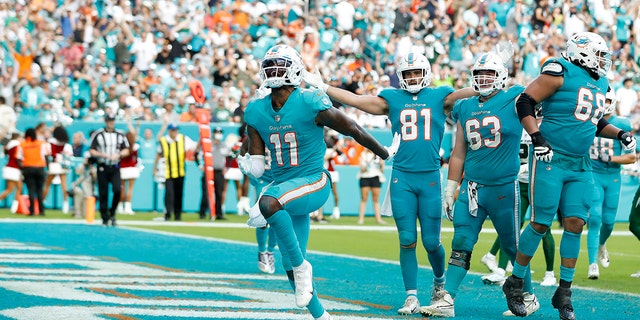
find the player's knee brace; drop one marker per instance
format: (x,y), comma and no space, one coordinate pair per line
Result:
(461,259)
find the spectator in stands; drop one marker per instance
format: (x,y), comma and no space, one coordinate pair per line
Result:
(189,114)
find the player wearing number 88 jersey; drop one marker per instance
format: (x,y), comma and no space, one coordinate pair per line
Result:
(571,91)
(607,156)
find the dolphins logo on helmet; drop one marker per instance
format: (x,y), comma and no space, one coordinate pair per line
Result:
(484,83)
(590,51)
(414,61)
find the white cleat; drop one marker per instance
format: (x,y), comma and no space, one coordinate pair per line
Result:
(489,260)
(498,277)
(14,206)
(336,213)
(65,207)
(603,256)
(303,280)
(594,272)
(271,262)
(442,307)
(636,275)
(531,304)
(263,262)
(549,279)
(411,306)
(325,316)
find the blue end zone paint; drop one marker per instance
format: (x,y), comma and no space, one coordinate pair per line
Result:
(148,275)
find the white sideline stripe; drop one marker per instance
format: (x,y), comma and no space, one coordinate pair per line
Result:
(251,244)
(238,225)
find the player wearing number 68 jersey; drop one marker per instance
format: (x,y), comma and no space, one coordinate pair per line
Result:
(571,90)
(607,156)
(417,113)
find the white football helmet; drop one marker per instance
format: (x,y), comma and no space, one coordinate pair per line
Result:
(590,51)
(485,84)
(282,65)
(414,61)
(610,107)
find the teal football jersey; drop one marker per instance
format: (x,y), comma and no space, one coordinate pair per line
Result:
(570,115)
(291,135)
(420,119)
(492,131)
(612,147)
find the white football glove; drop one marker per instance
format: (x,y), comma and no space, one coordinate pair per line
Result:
(628,141)
(315,79)
(261,92)
(393,148)
(449,192)
(541,148)
(505,50)
(244,163)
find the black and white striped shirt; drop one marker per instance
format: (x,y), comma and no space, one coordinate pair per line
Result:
(108,143)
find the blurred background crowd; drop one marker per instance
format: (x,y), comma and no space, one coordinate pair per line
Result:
(65,60)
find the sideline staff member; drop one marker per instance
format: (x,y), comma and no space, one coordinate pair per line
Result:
(173,148)
(108,146)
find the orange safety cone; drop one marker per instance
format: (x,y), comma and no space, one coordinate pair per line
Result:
(23,205)
(90,209)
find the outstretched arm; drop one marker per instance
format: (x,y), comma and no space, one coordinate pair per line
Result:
(451,99)
(367,103)
(337,120)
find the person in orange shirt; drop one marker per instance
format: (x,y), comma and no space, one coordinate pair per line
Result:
(189,115)
(223,17)
(352,151)
(24,58)
(34,161)
(240,15)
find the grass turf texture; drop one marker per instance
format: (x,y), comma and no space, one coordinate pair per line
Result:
(623,249)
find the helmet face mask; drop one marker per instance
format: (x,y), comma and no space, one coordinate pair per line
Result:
(489,74)
(281,66)
(413,81)
(590,51)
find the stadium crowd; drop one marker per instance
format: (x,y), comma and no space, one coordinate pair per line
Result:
(68,60)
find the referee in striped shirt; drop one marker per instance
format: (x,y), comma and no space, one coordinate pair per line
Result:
(108,146)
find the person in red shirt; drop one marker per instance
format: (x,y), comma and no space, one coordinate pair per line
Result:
(60,151)
(129,172)
(11,172)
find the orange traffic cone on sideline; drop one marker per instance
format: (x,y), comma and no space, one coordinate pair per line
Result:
(23,205)
(90,209)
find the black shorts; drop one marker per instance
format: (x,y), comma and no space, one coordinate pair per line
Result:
(373,182)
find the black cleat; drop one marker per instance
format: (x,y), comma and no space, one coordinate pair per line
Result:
(562,301)
(512,289)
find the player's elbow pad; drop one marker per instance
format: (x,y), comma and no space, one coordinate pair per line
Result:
(257,165)
(526,106)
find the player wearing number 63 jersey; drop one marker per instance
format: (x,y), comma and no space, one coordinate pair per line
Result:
(290,122)
(417,113)
(571,90)
(487,136)
(607,156)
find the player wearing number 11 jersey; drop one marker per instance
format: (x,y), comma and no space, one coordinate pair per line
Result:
(290,122)
(571,90)
(418,114)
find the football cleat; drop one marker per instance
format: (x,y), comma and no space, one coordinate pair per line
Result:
(549,279)
(603,256)
(531,304)
(496,278)
(635,275)
(303,280)
(512,289)
(411,306)
(489,260)
(594,272)
(271,261)
(442,307)
(562,301)
(263,262)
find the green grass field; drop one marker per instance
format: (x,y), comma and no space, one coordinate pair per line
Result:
(623,249)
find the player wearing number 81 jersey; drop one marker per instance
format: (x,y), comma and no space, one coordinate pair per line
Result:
(571,91)
(418,114)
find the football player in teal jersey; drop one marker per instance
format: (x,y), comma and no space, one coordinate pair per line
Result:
(290,122)
(607,156)
(487,136)
(571,90)
(418,114)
